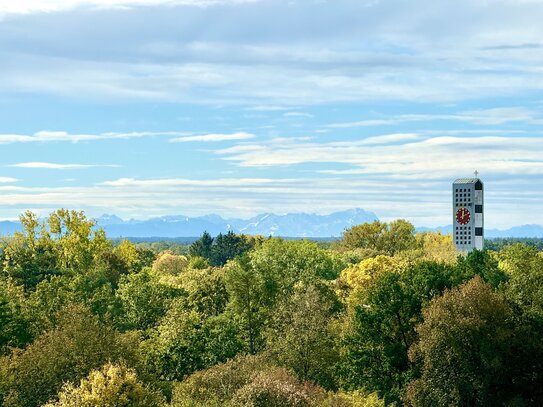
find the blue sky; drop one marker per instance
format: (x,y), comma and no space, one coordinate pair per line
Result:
(152,107)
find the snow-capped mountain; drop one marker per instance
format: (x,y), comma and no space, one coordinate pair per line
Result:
(289,225)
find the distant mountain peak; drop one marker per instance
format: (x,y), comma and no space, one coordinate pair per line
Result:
(107,219)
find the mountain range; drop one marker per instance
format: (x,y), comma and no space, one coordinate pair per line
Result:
(291,225)
(288,225)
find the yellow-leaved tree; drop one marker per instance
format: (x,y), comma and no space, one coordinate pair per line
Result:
(113,385)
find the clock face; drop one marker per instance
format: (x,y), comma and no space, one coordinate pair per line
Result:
(463,216)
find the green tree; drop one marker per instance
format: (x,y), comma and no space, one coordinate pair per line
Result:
(268,274)
(215,386)
(523,266)
(228,247)
(203,247)
(283,264)
(381,327)
(65,241)
(355,398)
(465,345)
(481,263)
(436,247)
(93,289)
(381,237)
(133,259)
(247,381)
(14,323)
(79,343)
(29,256)
(301,338)
(184,342)
(144,299)
(248,300)
(168,263)
(354,279)
(277,388)
(206,291)
(112,386)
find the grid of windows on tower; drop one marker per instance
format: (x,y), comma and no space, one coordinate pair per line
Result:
(463,235)
(462,196)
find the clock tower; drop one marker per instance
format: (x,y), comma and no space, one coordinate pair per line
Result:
(468,214)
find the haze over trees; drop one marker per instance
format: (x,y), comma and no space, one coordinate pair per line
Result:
(382,317)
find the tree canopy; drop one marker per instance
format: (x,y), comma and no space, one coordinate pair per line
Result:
(384,316)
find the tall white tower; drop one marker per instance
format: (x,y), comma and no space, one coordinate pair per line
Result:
(468,214)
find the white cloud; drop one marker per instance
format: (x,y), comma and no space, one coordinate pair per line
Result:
(315,56)
(231,82)
(63,136)
(391,138)
(55,166)
(265,108)
(298,114)
(494,116)
(177,182)
(406,156)
(7,180)
(40,6)
(501,115)
(213,137)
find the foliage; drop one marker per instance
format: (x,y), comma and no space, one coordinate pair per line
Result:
(249,300)
(223,248)
(92,289)
(168,263)
(217,385)
(283,264)
(65,243)
(480,263)
(497,244)
(524,268)
(436,247)
(144,300)
(79,343)
(206,291)
(374,319)
(301,338)
(246,381)
(468,346)
(277,388)
(184,342)
(14,324)
(111,386)
(203,247)
(355,398)
(354,279)
(133,258)
(228,247)
(381,328)
(381,237)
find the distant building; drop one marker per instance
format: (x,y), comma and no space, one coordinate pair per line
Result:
(468,214)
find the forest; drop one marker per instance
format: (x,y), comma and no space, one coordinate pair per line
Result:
(382,317)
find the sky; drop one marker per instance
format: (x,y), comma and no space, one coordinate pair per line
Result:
(145,108)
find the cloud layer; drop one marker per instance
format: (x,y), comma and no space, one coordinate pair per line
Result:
(48,6)
(283,52)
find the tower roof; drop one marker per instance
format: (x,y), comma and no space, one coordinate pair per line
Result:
(466,181)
